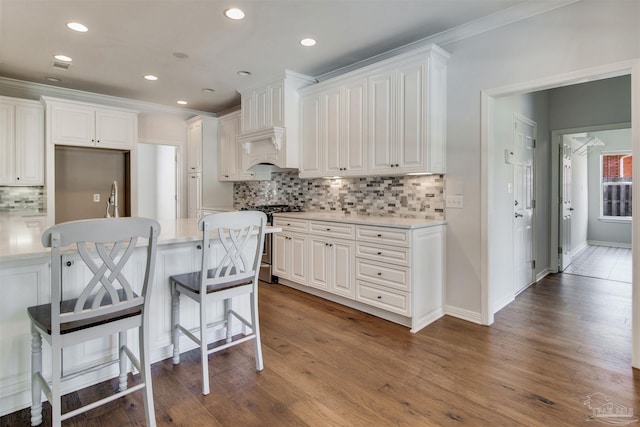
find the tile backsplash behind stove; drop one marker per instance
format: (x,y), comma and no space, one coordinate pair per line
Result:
(420,196)
(22,198)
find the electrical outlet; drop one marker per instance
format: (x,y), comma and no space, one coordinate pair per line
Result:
(456,202)
(96,197)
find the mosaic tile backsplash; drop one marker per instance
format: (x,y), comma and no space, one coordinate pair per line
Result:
(404,196)
(21,198)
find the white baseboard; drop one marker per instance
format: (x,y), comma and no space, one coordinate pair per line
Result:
(611,244)
(544,273)
(502,303)
(577,249)
(460,313)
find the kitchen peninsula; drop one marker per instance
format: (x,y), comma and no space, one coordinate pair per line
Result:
(25,281)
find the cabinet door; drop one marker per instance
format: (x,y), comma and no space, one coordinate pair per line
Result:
(354,137)
(318,266)
(194,147)
(72,125)
(29,145)
(410,117)
(247,106)
(298,258)
(262,116)
(310,150)
(194,194)
(381,109)
(341,269)
(280,254)
(228,150)
(7,144)
(115,129)
(276,93)
(331,139)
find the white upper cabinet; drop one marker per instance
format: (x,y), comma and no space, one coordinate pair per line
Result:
(230,151)
(89,125)
(194,145)
(388,118)
(270,121)
(21,142)
(311,149)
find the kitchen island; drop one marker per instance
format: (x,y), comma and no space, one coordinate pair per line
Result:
(25,281)
(391,267)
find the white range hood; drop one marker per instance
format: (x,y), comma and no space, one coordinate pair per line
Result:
(270,121)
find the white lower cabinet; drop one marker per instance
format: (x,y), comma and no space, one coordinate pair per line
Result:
(291,259)
(396,273)
(194,194)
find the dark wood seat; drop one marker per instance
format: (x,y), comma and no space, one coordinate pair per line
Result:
(191,281)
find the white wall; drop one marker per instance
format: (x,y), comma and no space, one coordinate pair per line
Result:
(545,45)
(606,231)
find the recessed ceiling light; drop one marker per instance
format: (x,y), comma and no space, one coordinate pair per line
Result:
(63,58)
(76,26)
(53,79)
(308,42)
(151,77)
(182,102)
(234,13)
(208,90)
(244,73)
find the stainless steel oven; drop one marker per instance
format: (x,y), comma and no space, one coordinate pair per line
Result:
(267,252)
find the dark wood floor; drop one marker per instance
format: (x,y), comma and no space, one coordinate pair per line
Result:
(326,365)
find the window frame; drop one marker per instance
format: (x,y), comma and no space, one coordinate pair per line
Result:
(609,218)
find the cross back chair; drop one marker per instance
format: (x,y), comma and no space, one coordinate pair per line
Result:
(106,305)
(241,235)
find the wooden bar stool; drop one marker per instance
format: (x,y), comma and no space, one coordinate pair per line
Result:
(106,305)
(241,235)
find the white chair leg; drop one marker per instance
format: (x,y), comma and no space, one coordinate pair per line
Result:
(204,356)
(228,306)
(36,368)
(255,322)
(56,383)
(122,343)
(145,366)
(175,320)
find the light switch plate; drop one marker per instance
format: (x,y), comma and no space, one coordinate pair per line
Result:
(96,197)
(455,202)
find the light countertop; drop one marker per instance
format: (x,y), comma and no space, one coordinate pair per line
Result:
(18,241)
(385,221)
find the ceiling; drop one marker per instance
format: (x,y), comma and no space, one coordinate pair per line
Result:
(128,39)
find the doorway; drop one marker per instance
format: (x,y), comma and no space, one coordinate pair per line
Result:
(158,181)
(491,226)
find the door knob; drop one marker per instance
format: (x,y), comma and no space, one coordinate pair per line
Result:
(519,215)
(516,203)
(571,209)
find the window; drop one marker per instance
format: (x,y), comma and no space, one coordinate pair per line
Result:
(616,185)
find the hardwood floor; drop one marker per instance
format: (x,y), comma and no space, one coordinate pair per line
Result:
(563,339)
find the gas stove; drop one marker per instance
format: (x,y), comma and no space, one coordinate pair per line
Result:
(271,209)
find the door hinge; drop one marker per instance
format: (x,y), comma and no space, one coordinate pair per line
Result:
(534,143)
(533,204)
(559,250)
(533,264)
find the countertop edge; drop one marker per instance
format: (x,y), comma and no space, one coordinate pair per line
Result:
(383,221)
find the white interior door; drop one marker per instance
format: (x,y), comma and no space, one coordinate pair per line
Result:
(565,206)
(523,203)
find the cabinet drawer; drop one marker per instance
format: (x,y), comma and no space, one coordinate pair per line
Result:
(388,275)
(397,302)
(382,253)
(386,235)
(333,229)
(288,224)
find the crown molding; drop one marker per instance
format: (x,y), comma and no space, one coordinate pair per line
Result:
(36,90)
(519,12)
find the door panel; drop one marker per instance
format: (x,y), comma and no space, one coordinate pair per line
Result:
(565,204)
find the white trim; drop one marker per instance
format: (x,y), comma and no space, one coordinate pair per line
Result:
(544,273)
(460,313)
(609,244)
(615,219)
(487,145)
(491,22)
(506,300)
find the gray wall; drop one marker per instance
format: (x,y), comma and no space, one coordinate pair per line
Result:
(549,44)
(599,230)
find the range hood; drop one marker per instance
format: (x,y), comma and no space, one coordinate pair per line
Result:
(270,121)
